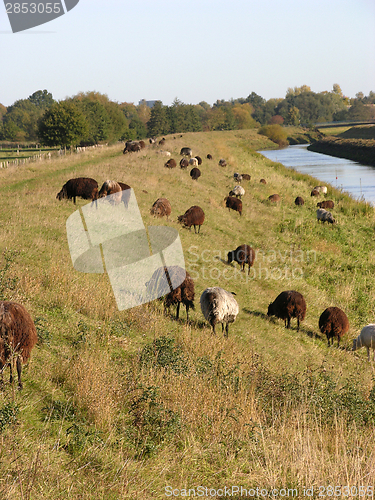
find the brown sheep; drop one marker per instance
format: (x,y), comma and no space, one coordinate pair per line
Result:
(131,147)
(243,254)
(263,181)
(17,337)
(287,305)
(194,216)
(246,177)
(142,144)
(171,163)
(299,201)
(233,203)
(111,188)
(195,173)
(84,187)
(162,141)
(222,163)
(326,204)
(274,198)
(126,192)
(209,157)
(315,192)
(161,208)
(184,163)
(199,159)
(333,322)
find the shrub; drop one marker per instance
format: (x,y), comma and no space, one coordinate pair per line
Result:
(276,133)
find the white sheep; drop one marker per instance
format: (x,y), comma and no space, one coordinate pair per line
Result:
(366,339)
(237,191)
(321,189)
(219,306)
(193,161)
(324,216)
(237,177)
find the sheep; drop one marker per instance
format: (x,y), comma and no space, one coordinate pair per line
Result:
(162,141)
(131,147)
(17,337)
(126,192)
(315,192)
(184,163)
(263,181)
(246,177)
(194,216)
(274,198)
(142,144)
(186,152)
(199,159)
(219,306)
(209,156)
(324,216)
(222,162)
(183,294)
(161,208)
(84,187)
(237,177)
(237,191)
(326,204)
(152,140)
(164,153)
(321,189)
(113,189)
(333,322)
(287,305)
(233,203)
(171,163)
(195,173)
(243,254)
(193,161)
(366,339)
(299,201)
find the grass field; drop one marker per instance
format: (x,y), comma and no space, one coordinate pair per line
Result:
(122,405)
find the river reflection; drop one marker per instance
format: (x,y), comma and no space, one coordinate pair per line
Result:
(352,177)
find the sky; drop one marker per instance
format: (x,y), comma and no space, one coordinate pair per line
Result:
(193,50)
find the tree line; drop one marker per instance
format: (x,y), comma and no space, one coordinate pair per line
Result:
(91,118)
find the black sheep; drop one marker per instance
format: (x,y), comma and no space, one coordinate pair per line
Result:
(85,187)
(233,203)
(333,322)
(243,254)
(287,305)
(195,173)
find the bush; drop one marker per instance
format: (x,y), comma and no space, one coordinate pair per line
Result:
(276,133)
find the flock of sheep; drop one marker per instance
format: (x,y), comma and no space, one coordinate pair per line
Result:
(18,334)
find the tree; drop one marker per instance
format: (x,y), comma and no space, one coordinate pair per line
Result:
(158,123)
(62,125)
(42,99)
(24,114)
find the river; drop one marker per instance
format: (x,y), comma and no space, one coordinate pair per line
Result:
(356,179)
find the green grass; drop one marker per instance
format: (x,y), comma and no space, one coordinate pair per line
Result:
(122,404)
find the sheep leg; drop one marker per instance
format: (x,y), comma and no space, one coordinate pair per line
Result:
(368,353)
(297,324)
(178,310)
(226,330)
(187,312)
(19,369)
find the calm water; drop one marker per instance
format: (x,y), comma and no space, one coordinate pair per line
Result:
(352,177)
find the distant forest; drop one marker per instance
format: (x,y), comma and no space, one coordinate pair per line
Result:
(91,118)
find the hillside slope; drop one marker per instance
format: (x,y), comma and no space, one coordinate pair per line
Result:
(124,404)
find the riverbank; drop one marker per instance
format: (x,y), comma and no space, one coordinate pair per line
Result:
(359,150)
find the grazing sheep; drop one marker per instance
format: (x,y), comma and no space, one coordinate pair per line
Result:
(263,181)
(195,173)
(237,177)
(184,163)
(186,152)
(209,157)
(274,198)
(233,203)
(17,337)
(299,201)
(243,254)
(326,204)
(142,144)
(222,162)
(321,189)
(111,188)
(237,191)
(84,187)
(246,177)
(324,216)
(193,161)
(152,140)
(366,339)
(219,306)
(162,141)
(315,192)
(126,192)
(171,163)
(164,153)
(333,322)
(131,147)
(287,305)
(194,216)
(161,208)
(183,294)
(199,159)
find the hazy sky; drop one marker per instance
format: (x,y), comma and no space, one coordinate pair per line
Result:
(196,50)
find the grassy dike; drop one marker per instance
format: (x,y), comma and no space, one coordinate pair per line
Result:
(120,405)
